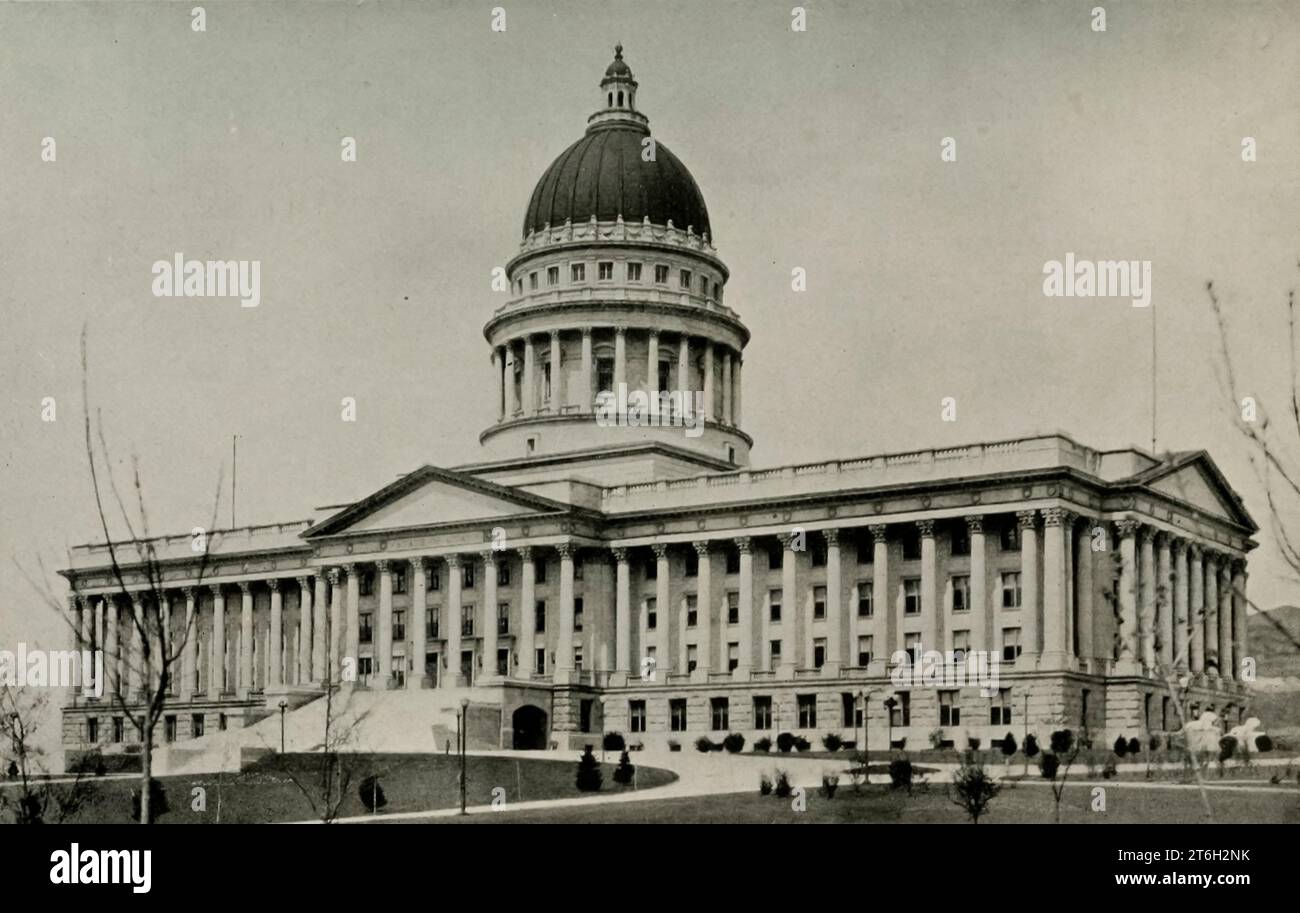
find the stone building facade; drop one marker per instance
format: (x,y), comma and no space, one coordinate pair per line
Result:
(640,577)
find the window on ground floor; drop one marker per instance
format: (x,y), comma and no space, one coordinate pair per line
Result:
(949,711)
(196,725)
(719,711)
(1000,708)
(677,714)
(762,712)
(807,711)
(636,715)
(900,714)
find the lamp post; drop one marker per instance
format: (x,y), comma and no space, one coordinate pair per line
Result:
(602,730)
(890,704)
(464,737)
(283,706)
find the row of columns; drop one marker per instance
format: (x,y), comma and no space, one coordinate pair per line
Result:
(524,402)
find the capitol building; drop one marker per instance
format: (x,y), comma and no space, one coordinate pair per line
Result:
(581,576)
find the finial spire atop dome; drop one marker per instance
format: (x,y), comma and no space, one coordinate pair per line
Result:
(618,95)
(618,68)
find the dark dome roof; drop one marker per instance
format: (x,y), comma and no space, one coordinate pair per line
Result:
(603,174)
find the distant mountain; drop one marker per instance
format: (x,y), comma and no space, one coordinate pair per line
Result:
(1274,641)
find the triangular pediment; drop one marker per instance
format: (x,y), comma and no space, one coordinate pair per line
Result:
(431,497)
(1195,480)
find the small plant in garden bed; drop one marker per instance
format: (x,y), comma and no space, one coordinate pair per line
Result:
(763,745)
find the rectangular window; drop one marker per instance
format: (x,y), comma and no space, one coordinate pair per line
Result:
(431,623)
(1010,589)
(817,554)
(733,656)
(684,279)
(912,646)
(819,652)
(775,556)
(774,605)
(577,614)
(399,581)
(901,713)
(1009,537)
(819,602)
(432,579)
(398,665)
(92,730)
(961,593)
(399,625)
(762,712)
(911,545)
(733,561)
(604,375)
(196,725)
(652,569)
(774,652)
(1010,644)
(605,271)
(532,281)
(636,715)
(577,657)
(366,583)
(864,650)
(959,540)
(467,575)
(866,606)
(503,574)
(661,274)
(1000,708)
(577,272)
(807,711)
(651,613)
(467,621)
(539,660)
(539,568)
(634,275)
(912,596)
(719,712)
(367,633)
(692,657)
(692,611)
(503,661)
(692,563)
(704,286)
(677,714)
(539,616)
(733,608)
(949,712)
(850,716)
(960,645)
(503,618)
(578,565)
(552,275)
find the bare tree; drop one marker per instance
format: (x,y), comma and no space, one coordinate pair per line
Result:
(40,798)
(326,787)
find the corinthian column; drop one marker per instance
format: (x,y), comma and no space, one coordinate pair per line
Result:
(382,672)
(1226,670)
(1029,591)
(1147,603)
(622,613)
(415,628)
(245,640)
(746,598)
(335,664)
(1164,601)
(564,662)
(1128,612)
(354,619)
(1182,643)
(834,605)
(1054,606)
(1196,610)
(704,612)
(304,629)
(275,680)
(217,679)
(490,604)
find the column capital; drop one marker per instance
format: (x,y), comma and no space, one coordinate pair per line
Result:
(744,544)
(1178,544)
(75,602)
(586,332)
(565,549)
(246,587)
(453,561)
(1195,550)
(1128,526)
(417,564)
(489,557)
(305,582)
(273,583)
(1053,516)
(974,523)
(525,552)
(191,593)
(832,536)
(926,528)
(877,531)
(215,590)
(653,332)
(785,539)
(350,568)
(1161,538)
(1239,567)
(334,575)
(620,331)
(1026,518)
(660,549)
(701,547)
(620,554)
(382,565)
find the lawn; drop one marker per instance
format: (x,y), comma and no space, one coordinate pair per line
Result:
(1017,804)
(266,792)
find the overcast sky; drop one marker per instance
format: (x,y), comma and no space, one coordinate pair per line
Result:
(818,149)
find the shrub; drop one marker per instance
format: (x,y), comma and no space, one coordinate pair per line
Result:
(589,777)
(973,743)
(1227,747)
(12,770)
(973,789)
(830,783)
(1030,748)
(1048,765)
(783,787)
(625,770)
(784,742)
(936,739)
(371,793)
(1121,746)
(614,741)
(1009,746)
(734,742)
(801,744)
(1108,771)
(1062,742)
(764,785)
(1263,743)
(1134,746)
(900,774)
(674,745)
(704,744)
(832,742)
(1154,743)
(157,801)
(764,744)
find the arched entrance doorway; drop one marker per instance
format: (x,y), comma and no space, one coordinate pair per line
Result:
(530,728)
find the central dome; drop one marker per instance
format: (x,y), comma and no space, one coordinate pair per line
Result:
(605,175)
